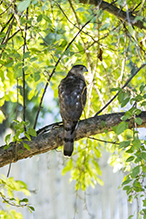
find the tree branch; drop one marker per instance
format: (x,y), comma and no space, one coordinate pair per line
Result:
(119,13)
(54,138)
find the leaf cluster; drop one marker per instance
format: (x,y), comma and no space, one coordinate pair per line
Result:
(7,188)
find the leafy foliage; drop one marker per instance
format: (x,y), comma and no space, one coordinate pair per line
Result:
(7,188)
(34,36)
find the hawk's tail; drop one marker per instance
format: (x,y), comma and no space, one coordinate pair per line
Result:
(69,132)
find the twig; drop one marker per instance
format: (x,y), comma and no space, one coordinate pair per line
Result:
(5,39)
(9,169)
(109,142)
(73,23)
(120,90)
(24,46)
(7,23)
(135,8)
(6,9)
(11,203)
(17,32)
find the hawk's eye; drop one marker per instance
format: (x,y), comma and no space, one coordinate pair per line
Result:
(81,68)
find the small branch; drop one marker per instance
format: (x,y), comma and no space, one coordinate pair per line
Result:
(5,39)
(142,66)
(72,22)
(109,142)
(7,23)
(74,12)
(17,32)
(24,46)
(39,108)
(6,9)
(12,203)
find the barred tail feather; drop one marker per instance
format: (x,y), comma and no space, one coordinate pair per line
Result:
(69,133)
(68,148)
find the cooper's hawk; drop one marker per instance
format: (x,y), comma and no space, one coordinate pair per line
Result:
(72,99)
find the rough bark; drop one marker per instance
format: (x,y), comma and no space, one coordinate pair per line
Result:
(53,139)
(119,13)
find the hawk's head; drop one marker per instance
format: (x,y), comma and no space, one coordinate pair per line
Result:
(78,69)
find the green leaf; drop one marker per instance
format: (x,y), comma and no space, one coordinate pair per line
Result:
(126,181)
(144,202)
(136,143)
(46,18)
(144,169)
(24,200)
(143,103)
(142,88)
(32,208)
(137,111)
(126,188)
(32,132)
(23,5)
(124,144)
(100,181)
(126,116)
(81,9)
(98,170)
(7,138)
(28,136)
(138,120)
(39,18)
(120,127)
(26,146)
(9,63)
(135,171)
(26,55)
(143,154)
(68,167)
(16,121)
(123,98)
(137,186)
(115,89)
(129,159)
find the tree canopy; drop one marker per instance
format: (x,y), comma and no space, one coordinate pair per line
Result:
(39,42)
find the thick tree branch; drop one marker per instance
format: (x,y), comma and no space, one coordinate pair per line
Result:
(53,139)
(119,13)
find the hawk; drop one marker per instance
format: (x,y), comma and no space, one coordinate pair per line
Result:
(72,94)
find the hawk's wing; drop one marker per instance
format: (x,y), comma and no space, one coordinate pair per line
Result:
(72,97)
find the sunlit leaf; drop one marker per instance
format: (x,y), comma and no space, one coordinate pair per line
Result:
(23,5)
